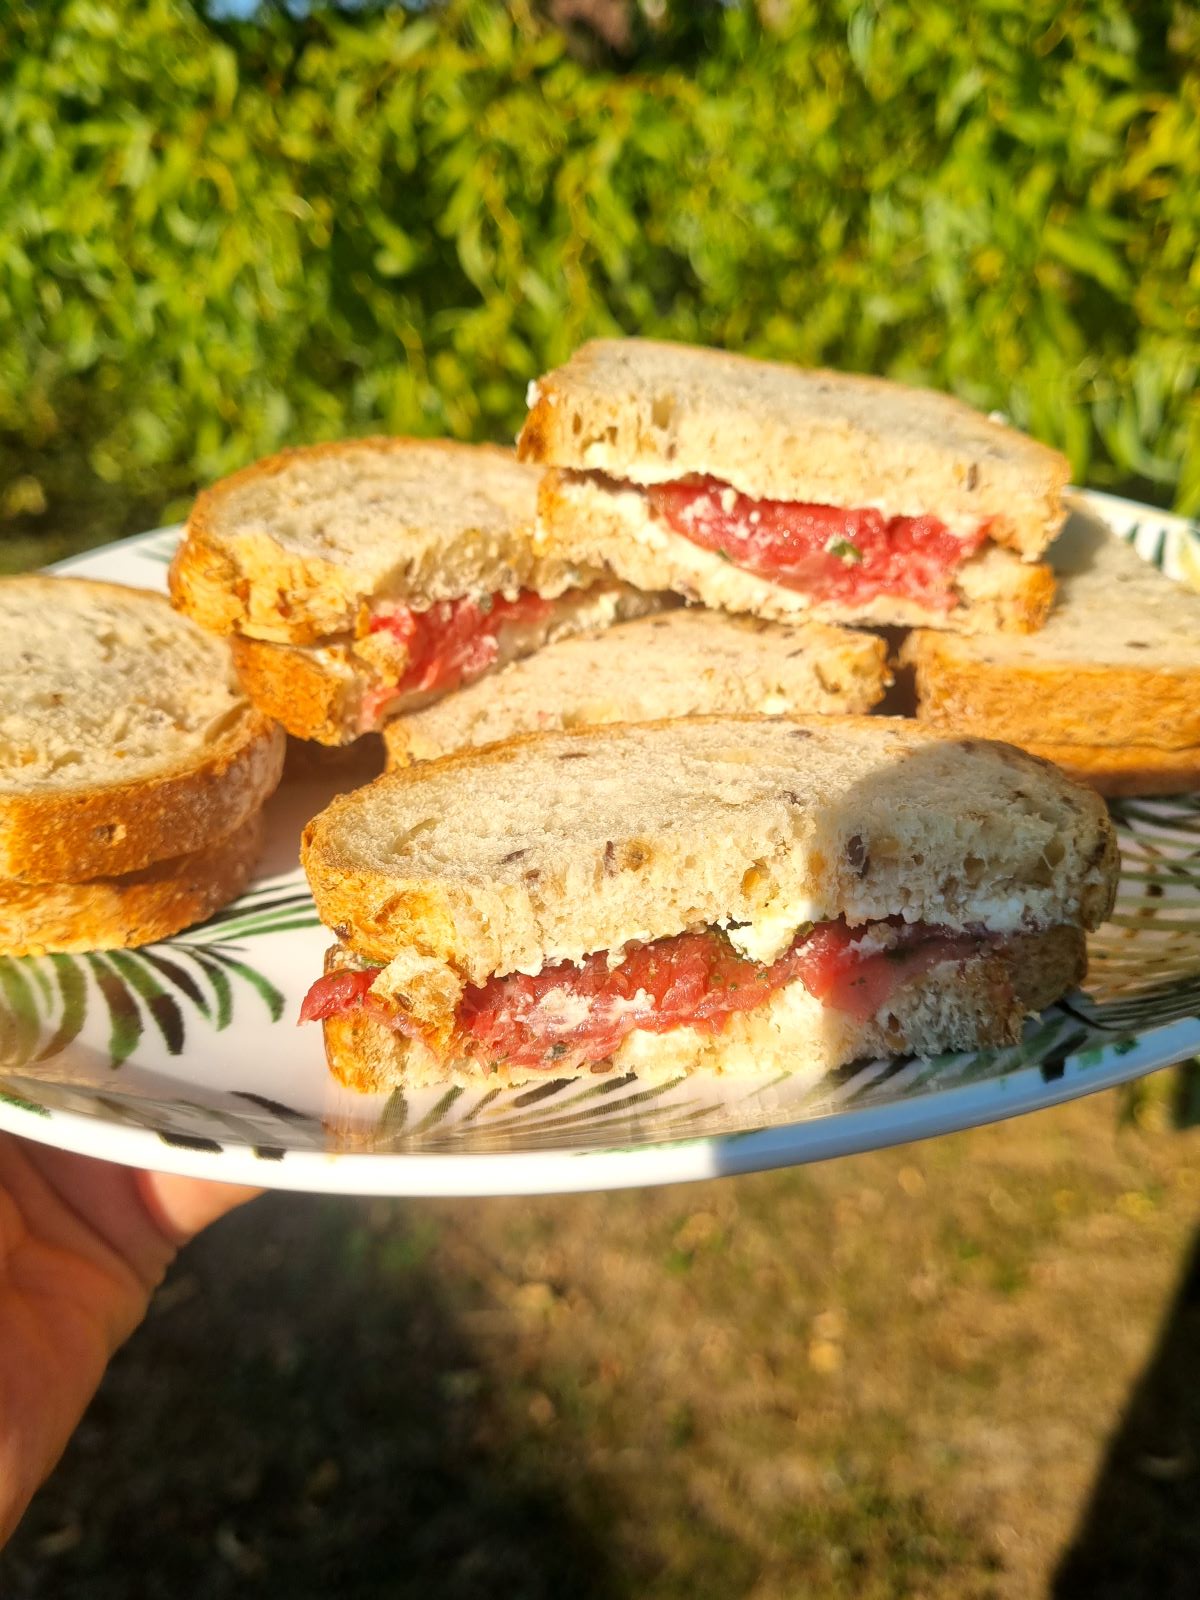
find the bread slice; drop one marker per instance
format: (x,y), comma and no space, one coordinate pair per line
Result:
(125,737)
(133,909)
(292,548)
(1116,669)
(325,692)
(960,1005)
(599,521)
(677,664)
(647,412)
(549,847)
(1125,771)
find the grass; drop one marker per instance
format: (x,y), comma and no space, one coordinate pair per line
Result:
(902,1374)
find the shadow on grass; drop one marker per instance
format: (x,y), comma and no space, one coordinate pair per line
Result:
(303,1415)
(1140,1535)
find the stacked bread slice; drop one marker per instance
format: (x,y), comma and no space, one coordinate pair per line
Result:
(1109,689)
(133,768)
(363,580)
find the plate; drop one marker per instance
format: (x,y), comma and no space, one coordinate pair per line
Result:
(185,1056)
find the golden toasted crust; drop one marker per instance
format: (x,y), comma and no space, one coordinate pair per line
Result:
(103,832)
(134,909)
(240,578)
(1054,702)
(1129,771)
(312,693)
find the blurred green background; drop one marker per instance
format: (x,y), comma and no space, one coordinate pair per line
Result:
(224,228)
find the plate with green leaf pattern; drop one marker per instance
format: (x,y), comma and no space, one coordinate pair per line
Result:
(186,1056)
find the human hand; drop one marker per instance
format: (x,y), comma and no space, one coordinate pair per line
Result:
(83,1245)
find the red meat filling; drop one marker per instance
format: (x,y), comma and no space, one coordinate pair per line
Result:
(826,552)
(452,643)
(568,1016)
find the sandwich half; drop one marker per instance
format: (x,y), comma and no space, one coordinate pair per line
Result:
(364,579)
(680,663)
(1109,689)
(133,768)
(756,486)
(740,894)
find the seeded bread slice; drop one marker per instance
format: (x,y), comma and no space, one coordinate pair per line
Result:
(320,692)
(648,412)
(1125,771)
(593,520)
(125,737)
(134,909)
(292,548)
(551,846)
(1117,665)
(678,664)
(961,1005)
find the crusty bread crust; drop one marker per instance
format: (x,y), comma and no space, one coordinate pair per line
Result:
(972,1004)
(67,831)
(1117,664)
(1125,771)
(120,912)
(69,838)
(683,663)
(597,521)
(549,846)
(439,519)
(646,412)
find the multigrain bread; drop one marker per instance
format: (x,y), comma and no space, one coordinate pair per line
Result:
(364,579)
(133,909)
(646,411)
(292,548)
(677,664)
(775,857)
(125,737)
(758,486)
(324,692)
(1111,686)
(548,847)
(1124,771)
(603,521)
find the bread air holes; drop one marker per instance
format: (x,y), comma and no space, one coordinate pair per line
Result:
(1045,868)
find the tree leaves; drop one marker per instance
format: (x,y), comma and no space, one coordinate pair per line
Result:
(217,240)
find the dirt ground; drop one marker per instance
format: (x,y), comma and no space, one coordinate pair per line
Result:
(959,1369)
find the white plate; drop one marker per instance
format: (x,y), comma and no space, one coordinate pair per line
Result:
(185,1056)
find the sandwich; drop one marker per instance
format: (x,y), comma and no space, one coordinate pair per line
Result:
(365,579)
(1109,689)
(133,769)
(736,894)
(676,664)
(755,486)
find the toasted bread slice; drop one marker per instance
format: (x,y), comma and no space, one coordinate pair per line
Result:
(552,846)
(647,412)
(125,737)
(294,548)
(961,1005)
(1116,668)
(334,693)
(678,664)
(1125,771)
(133,909)
(599,521)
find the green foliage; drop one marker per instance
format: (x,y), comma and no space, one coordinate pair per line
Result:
(218,238)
